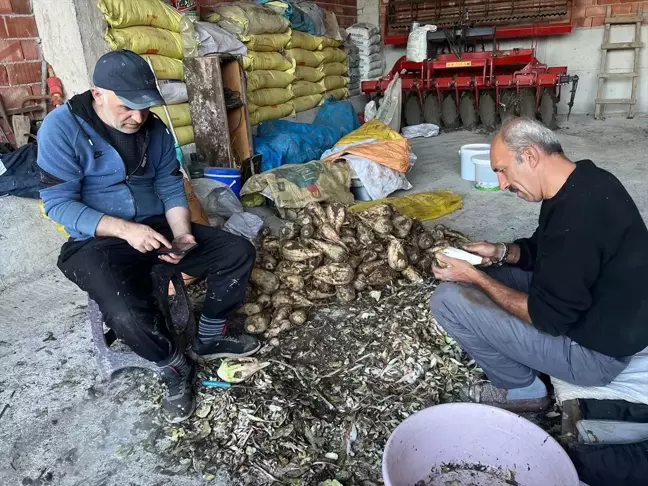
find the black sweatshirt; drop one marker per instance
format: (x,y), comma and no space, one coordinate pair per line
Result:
(589,257)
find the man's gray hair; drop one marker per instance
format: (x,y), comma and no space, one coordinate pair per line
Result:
(521,133)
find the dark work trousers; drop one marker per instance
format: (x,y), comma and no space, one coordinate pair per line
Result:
(117,277)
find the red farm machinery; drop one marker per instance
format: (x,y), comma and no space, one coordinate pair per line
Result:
(467,78)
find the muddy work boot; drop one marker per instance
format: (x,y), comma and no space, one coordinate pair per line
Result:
(179,403)
(229,345)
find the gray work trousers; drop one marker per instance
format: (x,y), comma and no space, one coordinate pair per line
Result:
(510,351)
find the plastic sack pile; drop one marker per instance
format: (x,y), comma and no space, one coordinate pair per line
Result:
(366,55)
(320,70)
(265,33)
(284,142)
(379,157)
(293,61)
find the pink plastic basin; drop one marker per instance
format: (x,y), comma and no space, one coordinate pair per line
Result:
(474,445)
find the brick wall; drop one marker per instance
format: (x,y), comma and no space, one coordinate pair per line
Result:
(20,64)
(346,11)
(591,13)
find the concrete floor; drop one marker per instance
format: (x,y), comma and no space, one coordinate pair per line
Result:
(63,427)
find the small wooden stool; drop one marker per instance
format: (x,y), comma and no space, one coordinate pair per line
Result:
(178,317)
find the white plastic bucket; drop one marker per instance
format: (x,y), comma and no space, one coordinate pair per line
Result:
(466,153)
(485,177)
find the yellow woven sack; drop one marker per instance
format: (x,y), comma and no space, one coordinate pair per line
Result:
(185,135)
(306,88)
(334,82)
(305,73)
(179,114)
(127,13)
(269,79)
(334,68)
(266,60)
(270,96)
(305,58)
(166,67)
(243,18)
(271,113)
(266,42)
(252,107)
(372,129)
(304,103)
(302,40)
(338,94)
(328,42)
(332,54)
(146,40)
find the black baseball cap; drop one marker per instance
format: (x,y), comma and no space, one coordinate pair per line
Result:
(130,77)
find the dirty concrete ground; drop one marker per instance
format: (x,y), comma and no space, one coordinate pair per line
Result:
(60,426)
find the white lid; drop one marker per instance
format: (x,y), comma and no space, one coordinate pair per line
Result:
(481,159)
(476,146)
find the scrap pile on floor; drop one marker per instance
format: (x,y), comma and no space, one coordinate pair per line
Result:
(330,253)
(336,386)
(335,389)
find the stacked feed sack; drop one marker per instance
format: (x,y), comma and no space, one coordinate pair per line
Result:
(270,73)
(320,70)
(334,67)
(366,53)
(151,28)
(304,49)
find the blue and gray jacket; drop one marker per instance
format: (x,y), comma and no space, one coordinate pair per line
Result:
(83,177)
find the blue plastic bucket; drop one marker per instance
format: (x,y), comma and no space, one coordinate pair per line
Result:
(231,177)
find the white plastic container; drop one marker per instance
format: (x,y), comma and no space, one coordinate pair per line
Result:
(466,153)
(485,177)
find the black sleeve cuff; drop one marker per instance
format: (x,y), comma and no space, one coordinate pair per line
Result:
(527,254)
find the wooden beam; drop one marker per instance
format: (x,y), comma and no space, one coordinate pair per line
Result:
(208,112)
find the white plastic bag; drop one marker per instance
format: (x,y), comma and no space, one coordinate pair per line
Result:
(173,92)
(379,181)
(370,111)
(421,130)
(362,31)
(243,224)
(629,385)
(217,198)
(213,39)
(367,51)
(370,59)
(389,111)
(375,73)
(417,43)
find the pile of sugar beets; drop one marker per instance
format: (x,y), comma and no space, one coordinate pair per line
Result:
(327,253)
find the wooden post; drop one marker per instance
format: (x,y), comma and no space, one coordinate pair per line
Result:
(208,112)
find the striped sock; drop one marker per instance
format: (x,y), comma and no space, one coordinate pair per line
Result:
(210,329)
(177,361)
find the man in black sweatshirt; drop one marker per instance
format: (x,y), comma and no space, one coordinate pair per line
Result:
(570,301)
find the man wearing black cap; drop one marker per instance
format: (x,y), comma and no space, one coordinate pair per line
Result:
(110,176)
